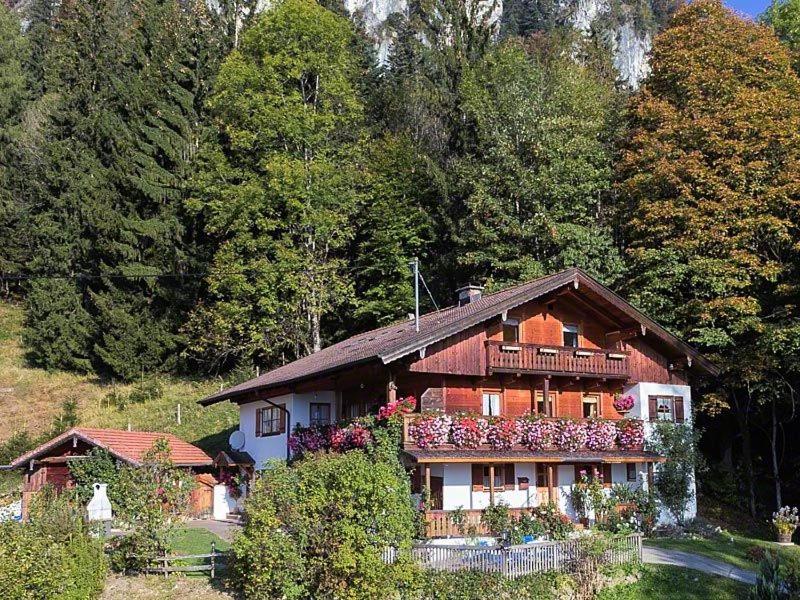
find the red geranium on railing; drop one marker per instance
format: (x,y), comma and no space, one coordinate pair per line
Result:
(467,431)
(502,433)
(401,405)
(630,434)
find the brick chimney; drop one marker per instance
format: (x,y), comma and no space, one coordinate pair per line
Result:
(468,294)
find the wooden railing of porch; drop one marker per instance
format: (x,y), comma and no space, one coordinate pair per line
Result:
(505,357)
(438,523)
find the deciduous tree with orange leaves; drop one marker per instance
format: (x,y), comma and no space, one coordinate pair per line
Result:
(710,181)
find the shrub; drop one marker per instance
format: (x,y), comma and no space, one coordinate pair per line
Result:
(674,478)
(52,556)
(555,523)
(151,499)
(497,519)
(317,529)
(474,585)
(98,467)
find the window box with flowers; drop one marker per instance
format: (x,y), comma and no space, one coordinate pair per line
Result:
(623,403)
(502,433)
(468,431)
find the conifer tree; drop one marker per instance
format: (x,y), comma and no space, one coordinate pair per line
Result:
(120,139)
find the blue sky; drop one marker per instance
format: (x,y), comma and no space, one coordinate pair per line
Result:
(749,7)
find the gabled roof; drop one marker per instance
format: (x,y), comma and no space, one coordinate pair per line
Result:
(393,342)
(128,446)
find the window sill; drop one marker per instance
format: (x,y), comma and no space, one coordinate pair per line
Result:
(263,435)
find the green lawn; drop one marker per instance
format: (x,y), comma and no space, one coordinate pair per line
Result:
(675,583)
(188,540)
(729,547)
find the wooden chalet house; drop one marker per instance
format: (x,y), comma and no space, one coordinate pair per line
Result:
(563,346)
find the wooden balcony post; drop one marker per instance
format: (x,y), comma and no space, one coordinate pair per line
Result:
(550,490)
(491,485)
(428,482)
(548,410)
(649,476)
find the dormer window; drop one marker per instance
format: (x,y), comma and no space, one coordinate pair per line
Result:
(511,331)
(570,335)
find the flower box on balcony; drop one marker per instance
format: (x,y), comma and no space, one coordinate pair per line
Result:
(583,353)
(550,351)
(616,356)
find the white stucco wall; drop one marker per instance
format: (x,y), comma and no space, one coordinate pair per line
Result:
(457,487)
(265,448)
(641,410)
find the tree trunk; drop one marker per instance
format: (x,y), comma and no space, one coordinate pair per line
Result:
(774,448)
(742,419)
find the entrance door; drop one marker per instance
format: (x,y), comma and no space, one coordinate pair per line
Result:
(437,491)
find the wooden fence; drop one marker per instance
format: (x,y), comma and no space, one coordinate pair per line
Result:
(211,562)
(516,561)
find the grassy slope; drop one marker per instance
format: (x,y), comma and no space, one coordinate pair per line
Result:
(32,398)
(675,583)
(740,534)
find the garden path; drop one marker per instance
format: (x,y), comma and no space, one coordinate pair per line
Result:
(662,556)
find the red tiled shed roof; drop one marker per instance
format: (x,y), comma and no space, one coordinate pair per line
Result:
(393,342)
(128,446)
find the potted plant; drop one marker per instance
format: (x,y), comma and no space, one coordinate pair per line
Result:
(623,404)
(785,522)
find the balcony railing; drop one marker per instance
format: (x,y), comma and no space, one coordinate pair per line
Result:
(439,523)
(505,357)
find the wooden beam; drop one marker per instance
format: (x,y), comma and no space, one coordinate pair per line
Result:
(649,476)
(621,335)
(428,482)
(550,489)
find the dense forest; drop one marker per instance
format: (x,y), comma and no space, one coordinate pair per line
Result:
(189,190)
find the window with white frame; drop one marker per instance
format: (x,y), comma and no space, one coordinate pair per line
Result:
(665,408)
(591,405)
(320,413)
(570,335)
(491,404)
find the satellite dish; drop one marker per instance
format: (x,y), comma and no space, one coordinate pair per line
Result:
(236,440)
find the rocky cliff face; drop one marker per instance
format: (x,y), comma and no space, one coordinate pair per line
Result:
(626,29)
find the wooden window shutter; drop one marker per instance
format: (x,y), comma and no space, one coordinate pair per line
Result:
(283,420)
(509,475)
(578,473)
(477,478)
(607,475)
(258,422)
(679,414)
(652,403)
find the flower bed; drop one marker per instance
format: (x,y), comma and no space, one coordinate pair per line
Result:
(534,432)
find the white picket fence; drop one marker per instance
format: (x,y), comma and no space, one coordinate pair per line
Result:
(514,561)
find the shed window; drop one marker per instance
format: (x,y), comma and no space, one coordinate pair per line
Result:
(630,473)
(570,335)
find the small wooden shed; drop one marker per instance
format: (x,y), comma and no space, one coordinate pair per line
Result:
(49,462)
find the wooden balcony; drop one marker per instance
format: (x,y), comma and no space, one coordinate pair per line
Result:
(505,357)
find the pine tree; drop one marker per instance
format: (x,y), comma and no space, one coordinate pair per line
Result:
(13,100)
(279,186)
(120,139)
